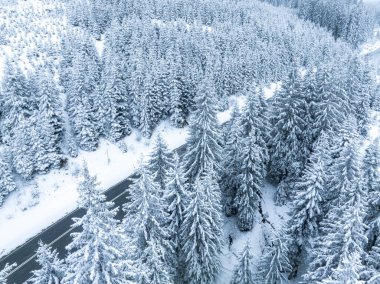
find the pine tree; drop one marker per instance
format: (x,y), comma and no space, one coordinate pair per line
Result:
(287,144)
(22,149)
(160,162)
(51,267)
(146,219)
(274,263)
(16,101)
(153,269)
(200,235)
(176,197)
(205,140)
(307,201)
(4,273)
(371,163)
(7,184)
(252,176)
(116,97)
(49,105)
(342,236)
(243,272)
(98,253)
(231,164)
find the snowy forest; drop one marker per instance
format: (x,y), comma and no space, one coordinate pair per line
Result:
(181,61)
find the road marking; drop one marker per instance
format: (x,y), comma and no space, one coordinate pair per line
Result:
(57,239)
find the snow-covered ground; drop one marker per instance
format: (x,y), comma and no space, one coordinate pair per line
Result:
(230,255)
(47,198)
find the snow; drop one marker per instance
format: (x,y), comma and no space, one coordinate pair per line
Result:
(230,256)
(58,189)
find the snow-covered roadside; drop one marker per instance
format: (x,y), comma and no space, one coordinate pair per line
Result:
(47,198)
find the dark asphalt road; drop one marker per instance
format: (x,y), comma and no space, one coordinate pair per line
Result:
(58,234)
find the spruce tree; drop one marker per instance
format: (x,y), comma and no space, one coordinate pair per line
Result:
(342,237)
(201,235)
(307,202)
(7,183)
(51,267)
(98,254)
(231,164)
(274,263)
(4,273)
(145,216)
(203,147)
(251,177)
(176,196)
(160,162)
(243,273)
(288,151)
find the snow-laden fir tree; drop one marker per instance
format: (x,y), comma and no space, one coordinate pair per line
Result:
(231,163)
(252,175)
(4,273)
(288,152)
(274,264)
(372,267)
(243,273)
(153,269)
(342,236)
(371,163)
(200,235)
(176,196)
(204,145)
(371,175)
(22,149)
(306,212)
(253,120)
(179,102)
(115,96)
(100,253)
(49,104)
(83,80)
(160,162)
(344,166)
(16,101)
(51,269)
(7,183)
(146,219)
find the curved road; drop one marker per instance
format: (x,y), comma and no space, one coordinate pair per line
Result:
(58,234)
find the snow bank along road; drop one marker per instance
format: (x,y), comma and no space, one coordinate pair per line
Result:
(58,234)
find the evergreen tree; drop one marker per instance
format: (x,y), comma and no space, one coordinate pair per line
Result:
(49,105)
(116,97)
(51,267)
(98,254)
(145,217)
(4,273)
(307,202)
(342,236)
(16,101)
(252,176)
(153,269)
(160,162)
(7,184)
(231,164)
(200,235)
(274,264)
(205,140)
(243,272)
(287,144)
(22,149)
(176,197)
